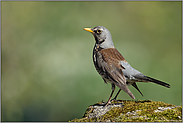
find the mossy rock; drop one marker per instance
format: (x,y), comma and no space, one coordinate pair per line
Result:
(132,111)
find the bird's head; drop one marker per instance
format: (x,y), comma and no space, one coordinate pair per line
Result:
(102,36)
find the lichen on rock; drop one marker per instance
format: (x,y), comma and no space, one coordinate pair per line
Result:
(132,111)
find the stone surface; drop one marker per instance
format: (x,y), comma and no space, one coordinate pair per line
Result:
(132,111)
(99,110)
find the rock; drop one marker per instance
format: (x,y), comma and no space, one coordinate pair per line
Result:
(98,110)
(132,111)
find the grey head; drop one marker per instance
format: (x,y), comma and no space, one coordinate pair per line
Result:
(102,36)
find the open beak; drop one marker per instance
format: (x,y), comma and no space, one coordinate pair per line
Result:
(88,29)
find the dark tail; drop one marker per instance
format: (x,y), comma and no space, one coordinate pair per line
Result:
(135,86)
(149,79)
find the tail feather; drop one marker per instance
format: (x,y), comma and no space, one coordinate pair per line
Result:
(149,79)
(135,86)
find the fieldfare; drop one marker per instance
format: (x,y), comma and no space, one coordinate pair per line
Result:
(113,67)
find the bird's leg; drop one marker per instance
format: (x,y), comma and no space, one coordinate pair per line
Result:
(113,88)
(116,95)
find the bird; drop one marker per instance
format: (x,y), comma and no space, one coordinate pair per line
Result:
(112,66)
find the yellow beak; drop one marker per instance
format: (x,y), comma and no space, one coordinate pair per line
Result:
(88,29)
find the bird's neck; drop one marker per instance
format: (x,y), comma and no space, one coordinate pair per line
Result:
(97,47)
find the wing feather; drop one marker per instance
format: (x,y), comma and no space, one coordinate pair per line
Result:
(110,64)
(108,60)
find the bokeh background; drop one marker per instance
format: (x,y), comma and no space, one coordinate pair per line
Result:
(47,68)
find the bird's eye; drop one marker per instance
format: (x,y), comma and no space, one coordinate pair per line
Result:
(99,31)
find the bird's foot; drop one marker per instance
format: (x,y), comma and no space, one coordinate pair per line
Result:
(113,100)
(107,103)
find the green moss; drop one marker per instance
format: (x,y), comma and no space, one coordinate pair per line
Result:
(136,111)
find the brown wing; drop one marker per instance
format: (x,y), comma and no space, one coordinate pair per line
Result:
(109,61)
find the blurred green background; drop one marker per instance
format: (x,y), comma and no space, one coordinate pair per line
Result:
(47,68)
